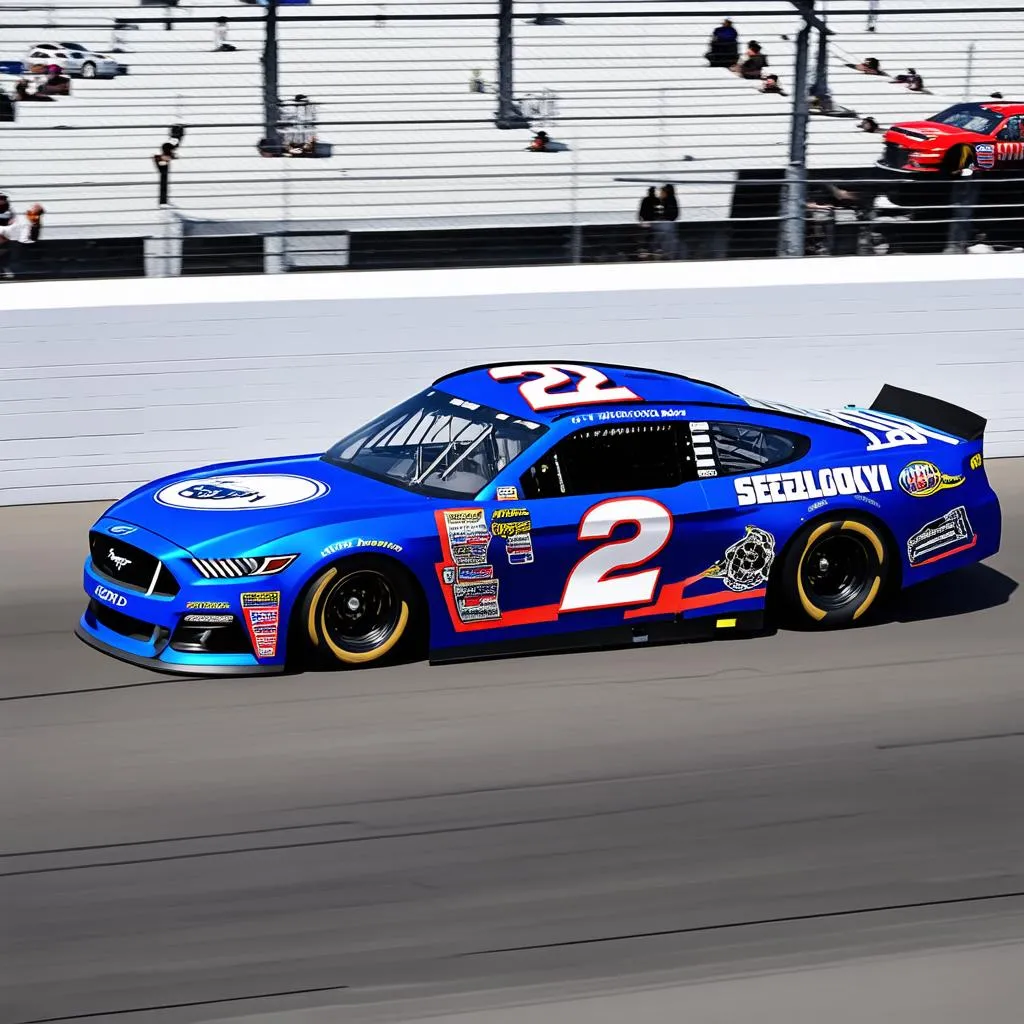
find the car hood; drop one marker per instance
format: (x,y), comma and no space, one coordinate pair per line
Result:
(234,508)
(921,133)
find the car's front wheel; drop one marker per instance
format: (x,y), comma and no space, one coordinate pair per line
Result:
(359,612)
(834,572)
(957,159)
(88,69)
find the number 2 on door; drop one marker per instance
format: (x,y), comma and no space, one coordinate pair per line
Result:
(589,585)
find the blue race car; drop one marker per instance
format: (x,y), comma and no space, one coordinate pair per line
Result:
(539,506)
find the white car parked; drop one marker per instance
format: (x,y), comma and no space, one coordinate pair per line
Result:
(75,60)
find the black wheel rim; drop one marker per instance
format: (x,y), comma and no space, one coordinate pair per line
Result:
(361,611)
(835,571)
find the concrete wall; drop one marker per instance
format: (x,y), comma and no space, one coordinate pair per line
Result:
(104,385)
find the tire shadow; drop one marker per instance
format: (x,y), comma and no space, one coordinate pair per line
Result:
(974,588)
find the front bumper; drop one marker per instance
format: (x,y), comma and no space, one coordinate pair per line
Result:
(182,623)
(155,664)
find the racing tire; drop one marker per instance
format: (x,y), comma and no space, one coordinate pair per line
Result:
(88,69)
(833,572)
(359,612)
(957,159)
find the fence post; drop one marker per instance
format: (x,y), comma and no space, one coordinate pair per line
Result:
(969,76)
(793,227)
(964,197)
(271,113)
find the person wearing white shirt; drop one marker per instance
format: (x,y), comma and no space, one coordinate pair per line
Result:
(19,231)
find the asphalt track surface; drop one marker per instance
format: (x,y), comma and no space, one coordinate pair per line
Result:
(798,827)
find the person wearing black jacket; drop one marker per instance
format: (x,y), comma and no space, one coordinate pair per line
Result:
(666,231)
(724,48)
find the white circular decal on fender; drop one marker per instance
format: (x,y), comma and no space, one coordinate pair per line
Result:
(244,491)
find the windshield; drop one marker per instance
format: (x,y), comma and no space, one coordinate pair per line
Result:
(969,117)
(73,46)
(437,444)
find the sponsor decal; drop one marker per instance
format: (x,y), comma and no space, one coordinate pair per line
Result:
(867,500)
(976,460)
(815,505)
(747,563)
(469,554)
(210,606)
(467,535)
(209,620)
(111,597)
(120,530)
(508,494)
(477,602)
(448,574)
(359,542)
(242,491)
(703,474)
(985,155)
(472,573)
(802,485)
(635,415)
(513,526)
(262,611)
(942,537)
(923,479)
(119,562)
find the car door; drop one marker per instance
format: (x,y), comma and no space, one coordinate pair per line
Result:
(595,534)
(1009,144)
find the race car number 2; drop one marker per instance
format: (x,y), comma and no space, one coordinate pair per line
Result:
(590,585)
(592,387)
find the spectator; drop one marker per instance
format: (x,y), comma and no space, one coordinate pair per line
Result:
(476,83)
(912,80)
(753,64)
(539,143)
(666,231)
(19,232)
(162,160)
(724,48)
(220,37)
(56,84)
(770,83)
(22,94)
(872,15)
(7,214)
(869,66)
(650,207)
(868,124)
(6,107)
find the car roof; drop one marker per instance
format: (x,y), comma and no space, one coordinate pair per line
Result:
(475,384)
(1004,107)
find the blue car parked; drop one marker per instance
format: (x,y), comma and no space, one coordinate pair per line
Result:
(539,506)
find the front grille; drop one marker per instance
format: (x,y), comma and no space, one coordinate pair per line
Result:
(895,155)
(130,567)
(118,622)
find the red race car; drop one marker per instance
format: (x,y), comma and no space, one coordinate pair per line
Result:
(982,136)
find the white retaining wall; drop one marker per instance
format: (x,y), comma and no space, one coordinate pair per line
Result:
(106,384)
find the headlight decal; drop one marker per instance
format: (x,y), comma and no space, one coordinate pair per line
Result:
(237,568)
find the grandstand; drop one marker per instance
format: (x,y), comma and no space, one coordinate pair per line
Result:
(413,148)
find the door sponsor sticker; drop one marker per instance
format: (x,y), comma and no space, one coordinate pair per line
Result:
(942,537)
(808,484)
(239,492)
(513,526)
(477,602)
(746,563)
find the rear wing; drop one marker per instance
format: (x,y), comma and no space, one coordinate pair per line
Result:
(930,412)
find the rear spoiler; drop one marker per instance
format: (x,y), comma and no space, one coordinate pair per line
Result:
(931,412)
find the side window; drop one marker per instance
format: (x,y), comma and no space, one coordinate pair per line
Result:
(627,457)
(1011,130)
(744,448)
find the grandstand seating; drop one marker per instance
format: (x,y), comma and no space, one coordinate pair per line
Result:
(414,147)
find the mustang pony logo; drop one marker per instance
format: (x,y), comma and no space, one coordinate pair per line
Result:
(118,561)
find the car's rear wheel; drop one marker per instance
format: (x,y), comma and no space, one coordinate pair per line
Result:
(359,612)
(957,159)
(834,572)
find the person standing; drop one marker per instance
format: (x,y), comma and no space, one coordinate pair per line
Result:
(162,162)
(19,232)
(872,15)
(220,37)
(666,231)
